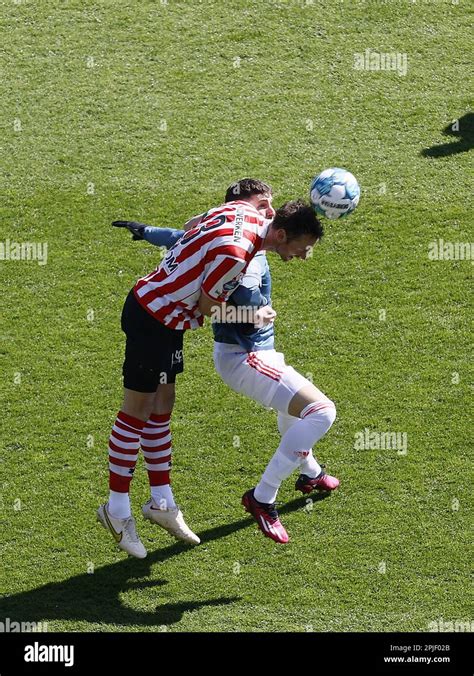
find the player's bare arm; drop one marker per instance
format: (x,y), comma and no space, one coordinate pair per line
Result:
(212,308)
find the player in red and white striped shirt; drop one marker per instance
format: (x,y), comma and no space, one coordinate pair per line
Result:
(197,275)
(207,259)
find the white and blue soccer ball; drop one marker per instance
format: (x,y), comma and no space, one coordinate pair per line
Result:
(334,193)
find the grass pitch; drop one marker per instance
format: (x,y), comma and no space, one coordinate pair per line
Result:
(148,111)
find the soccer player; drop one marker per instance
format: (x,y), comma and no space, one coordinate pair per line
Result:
(196,277)
(246,360)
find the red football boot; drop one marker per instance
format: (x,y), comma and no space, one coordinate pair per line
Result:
(266,517)
(323,482)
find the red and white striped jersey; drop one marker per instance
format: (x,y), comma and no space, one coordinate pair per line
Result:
(210,257)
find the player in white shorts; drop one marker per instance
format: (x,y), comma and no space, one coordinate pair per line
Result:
(245,358)
(247,361)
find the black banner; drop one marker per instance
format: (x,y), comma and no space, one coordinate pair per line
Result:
(119,653)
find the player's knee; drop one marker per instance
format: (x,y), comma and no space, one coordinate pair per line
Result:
(323,413)
(137,404)
(330,413)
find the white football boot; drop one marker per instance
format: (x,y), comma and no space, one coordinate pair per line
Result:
(171,520)
(124,532)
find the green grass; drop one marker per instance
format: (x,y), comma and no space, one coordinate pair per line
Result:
(292,106)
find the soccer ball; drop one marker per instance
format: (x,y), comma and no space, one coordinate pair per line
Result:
(334,193)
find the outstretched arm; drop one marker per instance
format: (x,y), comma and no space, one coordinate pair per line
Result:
(158,236)
(166,237)
(162,236)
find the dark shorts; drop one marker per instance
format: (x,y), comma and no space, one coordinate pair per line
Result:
(153,352)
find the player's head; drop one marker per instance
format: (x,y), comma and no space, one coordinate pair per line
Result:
(294,230)
(256,192)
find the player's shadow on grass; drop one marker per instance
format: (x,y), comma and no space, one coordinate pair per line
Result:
(96,598)
(463,130)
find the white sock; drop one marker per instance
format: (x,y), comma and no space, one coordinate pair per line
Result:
(295,445)
(163,496)
(277,469)
(309,465)
(119,505)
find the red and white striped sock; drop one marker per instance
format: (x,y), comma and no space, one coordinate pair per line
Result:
(156,444)
(124,444)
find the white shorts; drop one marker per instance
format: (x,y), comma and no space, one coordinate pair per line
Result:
(261,375)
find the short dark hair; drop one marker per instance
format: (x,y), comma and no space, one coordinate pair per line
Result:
(297,218)
(246,187)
